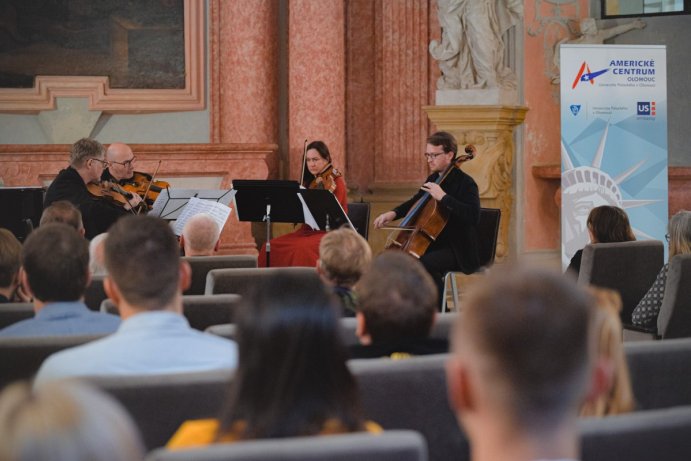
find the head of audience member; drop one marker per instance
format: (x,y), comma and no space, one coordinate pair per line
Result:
(522,364)
(97,257)
(343,257)
(64,212)
(679,231)
(397,299)
(608,344)
(292,377)
(55,261)
(145,272)
(607,224)
(66,421)
(200,236)
(10,261)
(121,161)
(87,156)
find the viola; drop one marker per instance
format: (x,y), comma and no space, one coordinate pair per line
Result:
(426,219)
(326,179)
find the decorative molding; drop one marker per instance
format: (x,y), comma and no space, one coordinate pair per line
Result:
(103,98)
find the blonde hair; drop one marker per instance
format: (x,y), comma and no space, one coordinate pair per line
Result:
(201,233)
(65,421)
(84,149)
(680,234)
(607,334)
(343,256)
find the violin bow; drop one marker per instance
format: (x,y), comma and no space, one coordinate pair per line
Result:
(304,161)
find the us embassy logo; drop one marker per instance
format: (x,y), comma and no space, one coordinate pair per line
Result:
(624,73)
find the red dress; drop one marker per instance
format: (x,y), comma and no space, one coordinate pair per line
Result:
(301,247)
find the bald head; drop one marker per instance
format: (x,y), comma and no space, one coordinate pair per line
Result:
(121,160)
(200,235)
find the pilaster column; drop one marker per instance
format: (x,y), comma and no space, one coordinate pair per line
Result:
(244,69)
(316,79)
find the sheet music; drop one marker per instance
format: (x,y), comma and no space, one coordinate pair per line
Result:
(159,204)
(309,219)
(218,211)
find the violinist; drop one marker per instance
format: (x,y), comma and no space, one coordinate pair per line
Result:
(87,162)
(456,247)
(120,169)
(301,247)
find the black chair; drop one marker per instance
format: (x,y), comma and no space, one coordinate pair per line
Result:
(628,267)
(14,312)
(95,294)
(387,446)
(638,436)
(674,320)
(20,358)
(201,265)
(242,281)
(159,404)
(488,233)
(358,213)
(201,311)
(660,372)
(411,394)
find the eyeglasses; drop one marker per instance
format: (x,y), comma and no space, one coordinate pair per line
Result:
(667,237)
(126,163)
(103,163)
(433,155)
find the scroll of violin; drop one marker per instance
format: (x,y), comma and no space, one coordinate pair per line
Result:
(426,218)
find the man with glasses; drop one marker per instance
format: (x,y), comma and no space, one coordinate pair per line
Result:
(120,169)
(456,247)
(87,163)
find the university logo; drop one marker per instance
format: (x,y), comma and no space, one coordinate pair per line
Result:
(585,75)
(646,108)
(575,108)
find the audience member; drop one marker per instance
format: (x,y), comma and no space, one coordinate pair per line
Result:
(679,237)
(10,262)
(606,224)
(200,236)
(97,259)
(608,339)
(65,422)
(343,257)
(292,378)
(522,364)
(86,166)
(397,306)
(146,280)
(55,261)
(64,212)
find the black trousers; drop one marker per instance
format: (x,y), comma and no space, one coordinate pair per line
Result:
(438,261)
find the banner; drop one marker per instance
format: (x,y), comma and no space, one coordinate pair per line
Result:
(614,138)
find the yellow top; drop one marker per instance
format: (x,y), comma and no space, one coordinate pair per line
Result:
(202,432)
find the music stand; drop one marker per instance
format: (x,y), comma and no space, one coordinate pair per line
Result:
(325,209)
(269,201)
(170,202)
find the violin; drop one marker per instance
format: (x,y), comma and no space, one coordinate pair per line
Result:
(143,185)
(326,179)
(425,220)
(111,193)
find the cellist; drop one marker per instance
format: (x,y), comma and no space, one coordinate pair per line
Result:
(456,247)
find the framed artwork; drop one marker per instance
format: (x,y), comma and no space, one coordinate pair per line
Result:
(125,56)
(625,8)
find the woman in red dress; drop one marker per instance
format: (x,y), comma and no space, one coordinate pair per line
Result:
(301,247)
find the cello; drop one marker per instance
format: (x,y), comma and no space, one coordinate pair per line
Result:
(426,219)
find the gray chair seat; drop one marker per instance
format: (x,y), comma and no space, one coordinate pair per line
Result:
(201,265)
(242,281)
(387,446)
(14,312)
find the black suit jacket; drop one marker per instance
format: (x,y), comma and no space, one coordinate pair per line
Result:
(462,202)
(97,214)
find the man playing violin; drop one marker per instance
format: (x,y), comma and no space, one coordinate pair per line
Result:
(120,169)
(456,247)
(87,163)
